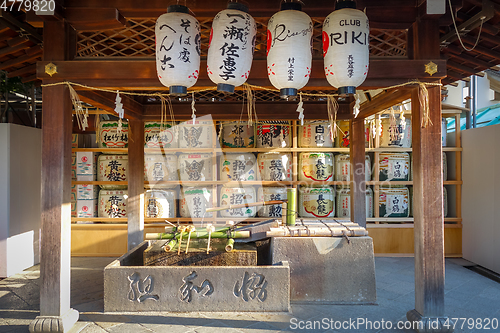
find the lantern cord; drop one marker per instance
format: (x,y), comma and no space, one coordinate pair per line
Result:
(482,18)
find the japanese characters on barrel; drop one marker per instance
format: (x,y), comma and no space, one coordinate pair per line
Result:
(232,42)
(178,42)
(289,49)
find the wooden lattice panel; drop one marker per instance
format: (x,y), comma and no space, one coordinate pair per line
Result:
(138,40)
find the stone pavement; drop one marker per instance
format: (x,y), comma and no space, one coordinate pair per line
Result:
(468,295)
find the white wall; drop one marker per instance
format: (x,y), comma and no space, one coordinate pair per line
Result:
(455,96)
(20,197)
(481,196)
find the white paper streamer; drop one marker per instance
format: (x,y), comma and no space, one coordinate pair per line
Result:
(300,110)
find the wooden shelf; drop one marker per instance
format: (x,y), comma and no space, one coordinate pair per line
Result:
(101,150)
(121,183)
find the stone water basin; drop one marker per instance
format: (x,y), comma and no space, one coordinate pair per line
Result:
(130,286)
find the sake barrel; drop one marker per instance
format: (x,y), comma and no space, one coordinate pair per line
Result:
(394,201)
(273,134)
(237,196)
(397,134)
(344,202)
(237,134)
(444,130)
(160,168)
(109,136)
(267,194)
(112,168)
(157,135)
(238,167)
(343,168)
(343,138)
(275,166)
(316,166)
(316,133)
(197,135)
(160,203)
(316,201)
(113,203)
(195,201)
(394,166)
(195,167)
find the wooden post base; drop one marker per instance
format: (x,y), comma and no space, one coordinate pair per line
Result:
(54,323)
(429,324)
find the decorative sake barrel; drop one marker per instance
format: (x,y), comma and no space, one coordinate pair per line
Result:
(273,134)
(444,130)
(236,196)
(316,166)
(160,203)
(314,134)
(344,202)
(394,201)
(109,136)
(195,167)
(316,201)
(198,135)
(238,167)
(343,138)
(267,194)
(275,166)
(158,136)
(343,168)
(394,166)
(113,203)
(237,134)
(160,168)
(112,168)
(397,134)
(195,201)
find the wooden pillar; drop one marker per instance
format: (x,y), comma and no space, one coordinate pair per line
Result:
(55,312)
(428,192)
(358,184)
(135,204)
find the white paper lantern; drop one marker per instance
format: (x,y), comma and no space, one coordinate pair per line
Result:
(289,52)
(232,42)
(346,34)
(177,49)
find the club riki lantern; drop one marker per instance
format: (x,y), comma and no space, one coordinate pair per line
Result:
(289,49)
(232,42)
(346,34)
(178,37)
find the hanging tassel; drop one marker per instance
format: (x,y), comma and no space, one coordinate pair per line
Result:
(119,128)
(392,126)
(250,104)
(81,117)
(332,108)
(193,109)
(423,96)
(300,110)
(402,119)
(356,106)
(119,105)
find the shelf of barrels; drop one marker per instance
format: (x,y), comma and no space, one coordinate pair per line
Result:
(190,167)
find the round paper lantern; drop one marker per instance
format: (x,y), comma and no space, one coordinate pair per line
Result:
(346,34)
(289,53)
(178,38)
(230,53)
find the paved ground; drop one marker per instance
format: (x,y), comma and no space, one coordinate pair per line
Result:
(468,295)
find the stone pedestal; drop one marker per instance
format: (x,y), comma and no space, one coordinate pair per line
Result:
(429,324)
(60,324)
(328,269)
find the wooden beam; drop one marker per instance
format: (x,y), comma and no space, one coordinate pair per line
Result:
(358,184)
(462,68)
(265,110)
(481,49)
(21,71)
(90,19)
(55,254)
(13,49)
(106,73)
(383,101)
(135,202)
(106,101)
(456,52)
(22,59)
